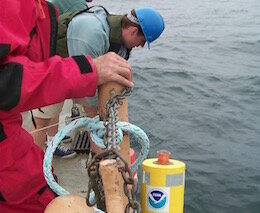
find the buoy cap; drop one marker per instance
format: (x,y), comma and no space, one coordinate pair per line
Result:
(163,156)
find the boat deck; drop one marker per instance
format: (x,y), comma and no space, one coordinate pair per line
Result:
(72,174)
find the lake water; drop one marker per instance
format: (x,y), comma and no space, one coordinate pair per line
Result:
(197,94)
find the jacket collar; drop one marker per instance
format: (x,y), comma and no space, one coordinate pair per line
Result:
(115,25)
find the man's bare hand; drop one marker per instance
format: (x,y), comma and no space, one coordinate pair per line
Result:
(113,68)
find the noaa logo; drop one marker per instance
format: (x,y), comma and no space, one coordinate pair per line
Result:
(157,199)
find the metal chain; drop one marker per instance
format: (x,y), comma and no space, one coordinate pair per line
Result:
(130,184)
(112,144)
(95,180)
(130,187)
(111,120)
(95,184)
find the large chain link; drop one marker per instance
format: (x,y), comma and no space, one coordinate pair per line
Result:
(130,187)
(95,182)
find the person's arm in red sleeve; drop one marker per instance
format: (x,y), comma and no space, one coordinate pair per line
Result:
(28,85)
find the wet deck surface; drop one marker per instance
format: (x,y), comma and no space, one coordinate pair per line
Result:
(72,174)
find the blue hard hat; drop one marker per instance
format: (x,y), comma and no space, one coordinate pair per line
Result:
(151,23)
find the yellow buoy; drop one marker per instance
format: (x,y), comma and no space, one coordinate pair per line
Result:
(162,188)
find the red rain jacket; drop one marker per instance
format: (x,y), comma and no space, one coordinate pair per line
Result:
(31,76)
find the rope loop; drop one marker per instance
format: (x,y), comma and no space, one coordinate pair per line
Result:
(97,130)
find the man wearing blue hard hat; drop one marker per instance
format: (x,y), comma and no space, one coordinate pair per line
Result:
(151,23)
(95,32)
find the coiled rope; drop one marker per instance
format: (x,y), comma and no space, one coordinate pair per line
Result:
(97,130)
